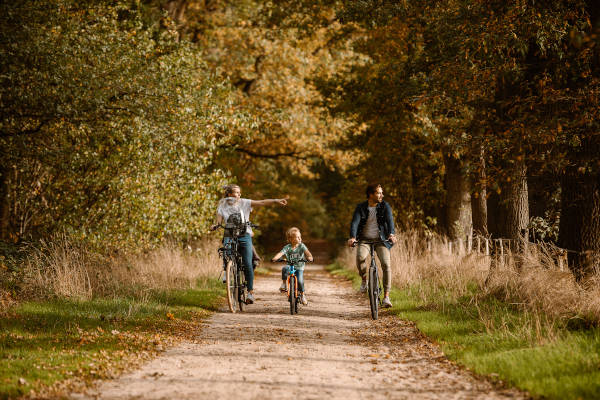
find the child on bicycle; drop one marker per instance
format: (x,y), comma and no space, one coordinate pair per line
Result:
(295,250)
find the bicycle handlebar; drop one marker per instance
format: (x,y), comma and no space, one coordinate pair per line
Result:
(281,260)
(370,242)
(250,224)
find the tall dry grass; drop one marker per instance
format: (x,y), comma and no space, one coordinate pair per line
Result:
(64,268)
(531,282)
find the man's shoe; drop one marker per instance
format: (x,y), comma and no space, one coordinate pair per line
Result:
(363,286)
(303,299)
(249,298)
(386,302)
(283,288)
(224,276)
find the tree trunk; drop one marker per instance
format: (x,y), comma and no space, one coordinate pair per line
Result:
(4,204)
(579,230)
(479,199)
(514,207)
(458,200)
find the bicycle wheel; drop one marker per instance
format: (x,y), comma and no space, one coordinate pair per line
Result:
(232,288)
(374,291)
(292,294)
(241,282)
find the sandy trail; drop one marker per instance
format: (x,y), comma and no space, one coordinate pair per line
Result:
(331,349)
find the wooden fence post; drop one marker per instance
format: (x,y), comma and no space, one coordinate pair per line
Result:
(501,260)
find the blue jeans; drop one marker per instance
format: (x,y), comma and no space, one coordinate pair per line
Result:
(285,271)
(245,249)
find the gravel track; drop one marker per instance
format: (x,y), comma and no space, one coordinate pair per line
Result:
(331,349)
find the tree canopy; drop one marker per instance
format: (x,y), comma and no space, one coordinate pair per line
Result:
(122,120)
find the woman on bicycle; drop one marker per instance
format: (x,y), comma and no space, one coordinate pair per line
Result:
(233,203)
(295,250)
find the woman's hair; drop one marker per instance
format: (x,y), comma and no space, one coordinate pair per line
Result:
(229,189)
(372,188)
(291,231)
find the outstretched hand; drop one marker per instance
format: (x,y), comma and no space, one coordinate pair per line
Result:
(283,201)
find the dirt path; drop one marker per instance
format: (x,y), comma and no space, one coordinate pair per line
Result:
(331,349)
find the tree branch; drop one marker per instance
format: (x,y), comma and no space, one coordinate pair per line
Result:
(251,153)
(24,132)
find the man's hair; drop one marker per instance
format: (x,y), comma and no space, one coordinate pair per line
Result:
(229,189)
(291,231)
(372,188)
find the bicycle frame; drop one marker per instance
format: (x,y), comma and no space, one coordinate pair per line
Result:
(236,284)
(293,295)
(374,284)
(292,272)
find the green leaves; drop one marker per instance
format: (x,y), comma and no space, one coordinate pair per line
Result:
(126,122)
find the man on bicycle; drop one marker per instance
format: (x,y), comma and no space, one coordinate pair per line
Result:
(373,220)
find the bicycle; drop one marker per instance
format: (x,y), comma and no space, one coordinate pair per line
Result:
(235,278)
(374,285)
(294,297)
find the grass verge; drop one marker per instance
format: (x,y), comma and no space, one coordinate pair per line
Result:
(566,367)
(503,341)
(51,347)
(337,269)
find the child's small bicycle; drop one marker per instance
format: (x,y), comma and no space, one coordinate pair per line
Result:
(292,284)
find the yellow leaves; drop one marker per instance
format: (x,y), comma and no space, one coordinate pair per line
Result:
(170,316)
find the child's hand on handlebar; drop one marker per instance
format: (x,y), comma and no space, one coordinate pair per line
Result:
(351,242)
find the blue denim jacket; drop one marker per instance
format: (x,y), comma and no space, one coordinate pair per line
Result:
(385,221)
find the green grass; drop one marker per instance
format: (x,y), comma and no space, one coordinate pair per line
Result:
(262,271)
(496,339)
(509,348)
(339,270)
(52,341)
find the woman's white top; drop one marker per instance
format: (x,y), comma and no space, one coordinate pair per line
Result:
(232,205)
